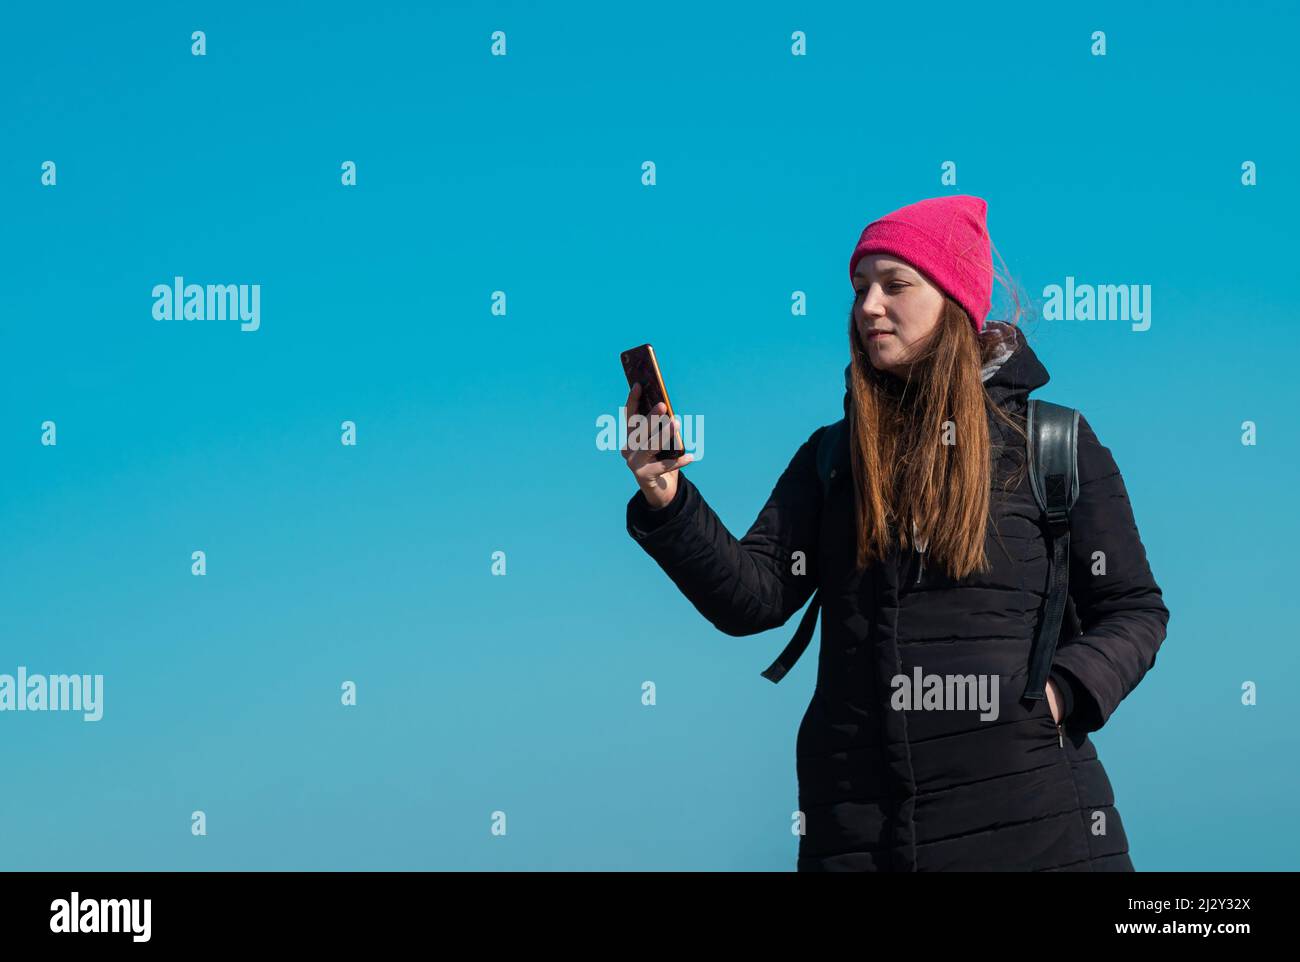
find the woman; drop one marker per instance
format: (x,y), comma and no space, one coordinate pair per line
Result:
(931,557)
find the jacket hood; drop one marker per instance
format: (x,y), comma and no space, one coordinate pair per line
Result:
(1009,376)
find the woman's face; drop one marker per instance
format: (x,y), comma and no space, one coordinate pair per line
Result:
(895,307)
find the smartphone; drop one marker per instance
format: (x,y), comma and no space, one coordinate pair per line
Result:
(642,367)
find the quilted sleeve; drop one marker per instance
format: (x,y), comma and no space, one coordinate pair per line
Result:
(1120,606)
(743,586)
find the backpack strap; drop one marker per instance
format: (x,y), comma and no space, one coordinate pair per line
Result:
(830,452)
(790,654)
(1053,435)
(828,456)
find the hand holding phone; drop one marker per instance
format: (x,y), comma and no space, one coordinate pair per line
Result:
(655,462)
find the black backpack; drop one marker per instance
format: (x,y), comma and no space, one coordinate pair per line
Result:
(1053,435)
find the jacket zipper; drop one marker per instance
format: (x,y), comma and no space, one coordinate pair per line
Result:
(913,864)
(920,551)
(1060,726)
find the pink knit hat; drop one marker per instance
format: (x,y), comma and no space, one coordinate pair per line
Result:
(947,239)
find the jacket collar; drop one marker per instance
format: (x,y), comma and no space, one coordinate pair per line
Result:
(1016,376)
(1008,378)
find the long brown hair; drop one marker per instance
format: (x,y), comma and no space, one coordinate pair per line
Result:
(920,444)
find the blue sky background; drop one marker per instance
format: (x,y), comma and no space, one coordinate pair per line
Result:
(477,432)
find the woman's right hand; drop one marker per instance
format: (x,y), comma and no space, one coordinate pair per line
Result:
(657,479)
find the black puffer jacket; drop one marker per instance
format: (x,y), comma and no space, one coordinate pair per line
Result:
(908,788)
